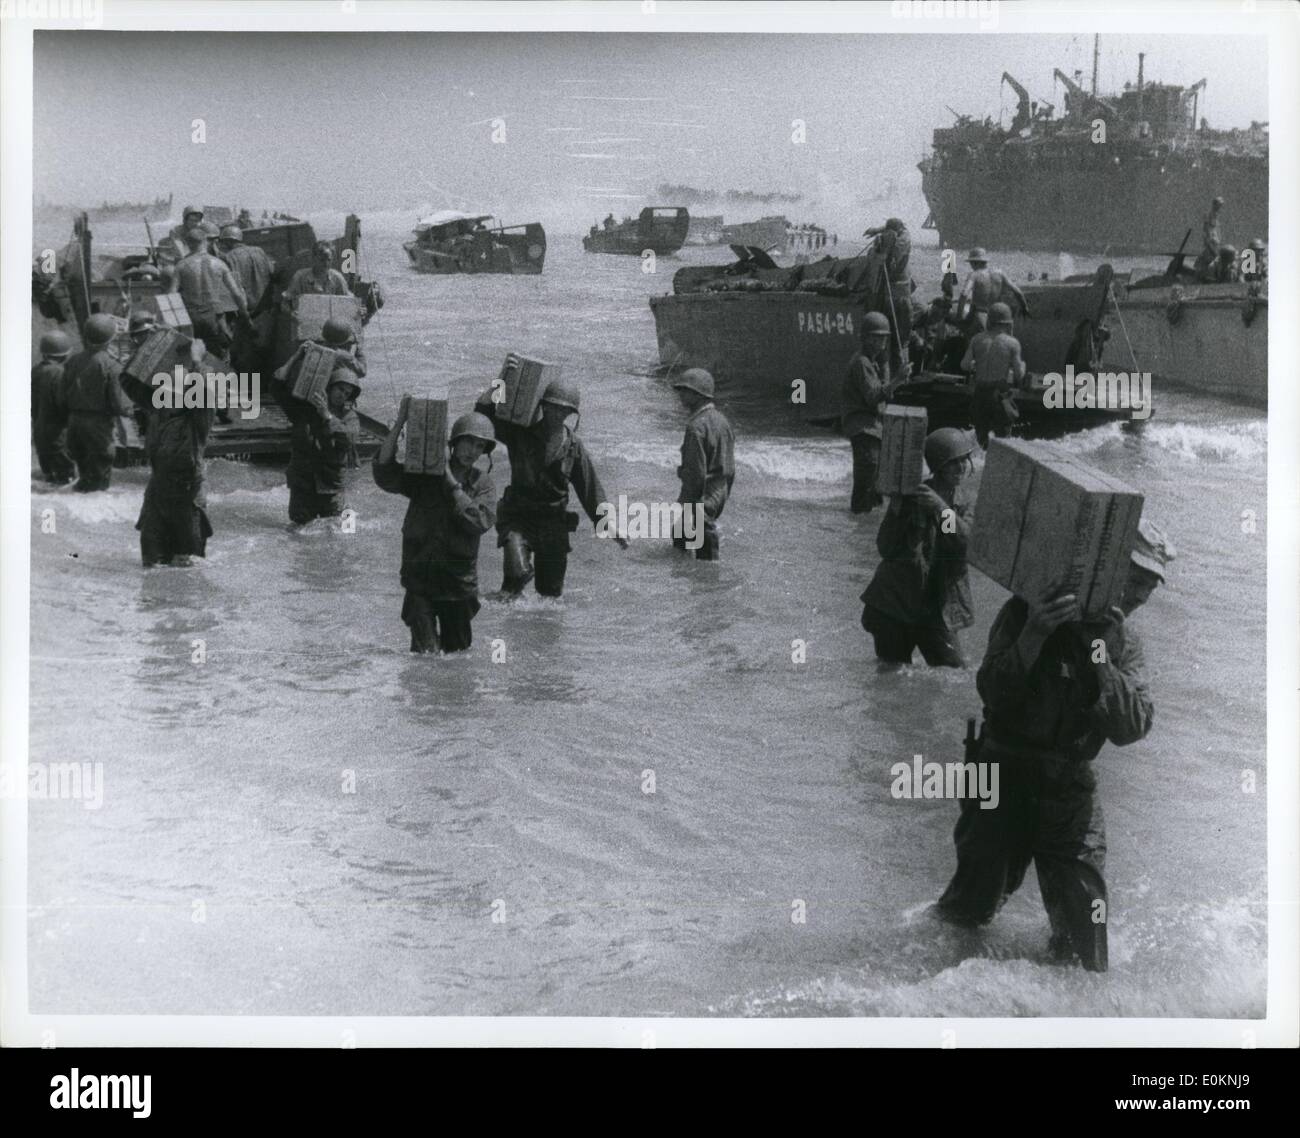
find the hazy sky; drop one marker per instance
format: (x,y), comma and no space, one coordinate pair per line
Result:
(375,121)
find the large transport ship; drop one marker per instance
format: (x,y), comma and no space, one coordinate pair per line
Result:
(1050,182)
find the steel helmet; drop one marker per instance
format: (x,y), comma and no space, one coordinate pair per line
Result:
(208,228)
(945,445)
(1257,244)
(1217,201)
(1000,313)
(98,329)
(875,324)
(345,376)
(977,256)
(472,425)
(56,344)
(560,394)
(1227,251)
(895,223)
(232,233)
(191,211)
(696,379)
(1152,549)
(140,321)
(336,332)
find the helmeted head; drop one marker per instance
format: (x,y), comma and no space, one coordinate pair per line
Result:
(336,333)
(56,345)
(1256,243)
(232,234)
(896,224)
(210,229)
(322,254)
(695,379)
(1152,551)
(191,215)
(472,435)
(947,454)
(875,330)
(98,330)
(977,256)
(342,388)
(1227,253)
(559,401)
(1217,203)
(1000,315)
(140,325)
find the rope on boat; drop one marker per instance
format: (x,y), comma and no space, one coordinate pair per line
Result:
(1132,354)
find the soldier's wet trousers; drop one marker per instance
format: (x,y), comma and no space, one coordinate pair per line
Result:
(91,447)
(866,462)
(895,641)
(438,624)
(520,560)
(172,525)
(1047,813)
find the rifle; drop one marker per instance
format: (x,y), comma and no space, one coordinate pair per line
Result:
(153,249)
(1176,265)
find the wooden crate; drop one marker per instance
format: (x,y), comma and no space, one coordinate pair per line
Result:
(161,351)
(314,373)
(426,436)
(902,449)
(172,312)
(1044,517)
(311,311)
(526,381)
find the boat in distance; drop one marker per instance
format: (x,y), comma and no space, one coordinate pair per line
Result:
(450,241)
(659,229)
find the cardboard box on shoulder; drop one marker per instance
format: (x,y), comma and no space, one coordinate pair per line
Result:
(311,311)
(526,381)
(1045,518)
(426,436)
(902,449)
(161,351)
(314,373)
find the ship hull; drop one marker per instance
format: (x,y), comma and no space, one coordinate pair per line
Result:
(1137,206)
(1197,338)
(794,349)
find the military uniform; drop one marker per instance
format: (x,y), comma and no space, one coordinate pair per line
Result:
(173,520)
(322,445)
(50,423)
(1044,726)
(707,472)
(253,269)
(212,295)
(864,391)
(919,596)
(91,397)
(440,540)
(533,519)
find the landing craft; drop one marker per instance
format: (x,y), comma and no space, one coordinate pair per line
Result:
(661,229)
(786,335)
(453,242)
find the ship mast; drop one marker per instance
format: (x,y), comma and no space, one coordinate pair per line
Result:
(1096,52)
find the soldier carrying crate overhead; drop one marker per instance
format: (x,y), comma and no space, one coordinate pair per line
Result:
(452,504)
(546,458)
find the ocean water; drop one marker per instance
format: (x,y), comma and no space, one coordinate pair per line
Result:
(313,821)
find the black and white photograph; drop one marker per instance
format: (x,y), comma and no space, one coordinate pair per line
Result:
(742,515)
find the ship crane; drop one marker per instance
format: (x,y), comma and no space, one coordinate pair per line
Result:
(1078,100)
(1023,117)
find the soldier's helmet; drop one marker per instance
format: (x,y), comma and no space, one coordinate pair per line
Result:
(56,345)
(335,332)
(1152,550)
(98,330)
(232,233)
(561,394)
(472,425)
(977,256)
(696,379)
(1000,314)
(1257,244)
(945,445)
(345,377)
(875,324)
(190,211)
(1217,201)
(894,223)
